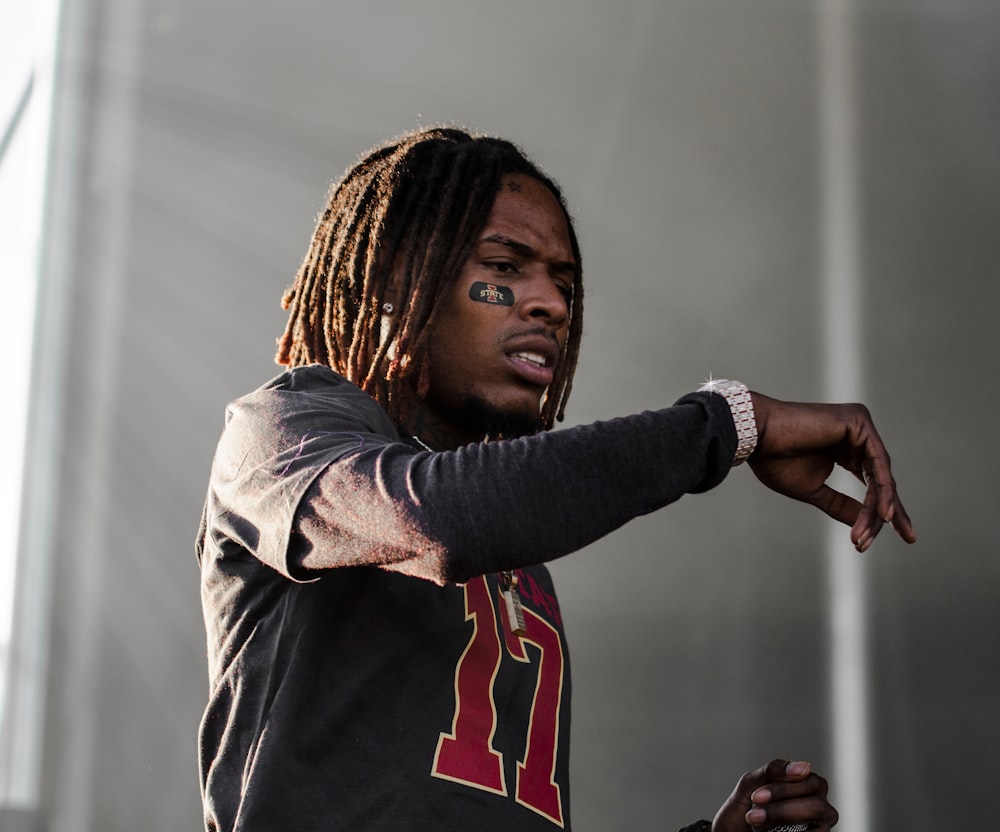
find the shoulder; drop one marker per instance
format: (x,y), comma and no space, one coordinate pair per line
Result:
(311,393)
(314,381)
(308,406)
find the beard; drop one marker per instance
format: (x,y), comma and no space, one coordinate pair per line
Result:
(482,418)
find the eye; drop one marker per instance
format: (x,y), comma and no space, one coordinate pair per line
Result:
(565,289)
(502,266)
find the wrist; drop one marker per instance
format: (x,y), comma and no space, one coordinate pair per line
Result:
(740,403)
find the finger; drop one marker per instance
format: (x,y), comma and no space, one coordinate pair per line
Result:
(901,523)
(732,814)
(874,514)
(776,771)
(897,517)
(869,521)
(876,468)
(882,487)
(837,505)
(861,517)
(865,519)
(890,507)
(813,809)
(777,791)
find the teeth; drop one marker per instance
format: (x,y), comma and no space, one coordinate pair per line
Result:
(532,357)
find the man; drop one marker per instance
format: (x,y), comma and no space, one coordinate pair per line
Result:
(385,645)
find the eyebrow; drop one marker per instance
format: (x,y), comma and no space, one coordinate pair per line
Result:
(525,250)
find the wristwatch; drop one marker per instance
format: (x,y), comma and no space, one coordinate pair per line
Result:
(741,406)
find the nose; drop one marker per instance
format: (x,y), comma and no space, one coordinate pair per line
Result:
(544,299)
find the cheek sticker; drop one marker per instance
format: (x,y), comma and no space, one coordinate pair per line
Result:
(492,293)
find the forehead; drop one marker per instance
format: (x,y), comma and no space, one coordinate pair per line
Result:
(529,212)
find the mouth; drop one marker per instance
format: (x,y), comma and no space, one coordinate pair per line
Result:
(534,362)
(534,358)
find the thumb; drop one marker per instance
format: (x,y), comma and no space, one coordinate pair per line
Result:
(837,505)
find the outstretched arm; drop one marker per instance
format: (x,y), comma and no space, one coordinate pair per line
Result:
(797,448)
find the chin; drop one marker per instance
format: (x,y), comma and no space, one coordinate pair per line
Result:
(487,419)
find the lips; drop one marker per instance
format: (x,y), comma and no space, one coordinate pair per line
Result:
(533,358)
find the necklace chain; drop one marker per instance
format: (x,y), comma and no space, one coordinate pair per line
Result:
(508,581)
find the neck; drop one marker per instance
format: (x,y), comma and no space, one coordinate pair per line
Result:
(433,430)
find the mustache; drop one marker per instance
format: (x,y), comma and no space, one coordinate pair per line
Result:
(536,330)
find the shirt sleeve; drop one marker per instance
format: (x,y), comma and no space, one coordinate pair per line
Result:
(698,826)
(310,478)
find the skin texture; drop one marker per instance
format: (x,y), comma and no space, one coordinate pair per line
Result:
(478,350)
(776,794)
(797,448)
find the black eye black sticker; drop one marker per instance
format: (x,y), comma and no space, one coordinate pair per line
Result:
(492,293)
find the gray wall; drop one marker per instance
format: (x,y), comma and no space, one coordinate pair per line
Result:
(686,135)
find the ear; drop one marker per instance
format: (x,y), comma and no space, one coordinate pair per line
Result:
(392,292)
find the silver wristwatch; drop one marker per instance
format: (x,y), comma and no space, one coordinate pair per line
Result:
(741,405)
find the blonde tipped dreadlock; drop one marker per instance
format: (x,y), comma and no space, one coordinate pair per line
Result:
(413,208)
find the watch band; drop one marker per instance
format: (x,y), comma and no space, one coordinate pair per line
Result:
(741,406)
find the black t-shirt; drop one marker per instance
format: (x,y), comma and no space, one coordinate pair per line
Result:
(363,673)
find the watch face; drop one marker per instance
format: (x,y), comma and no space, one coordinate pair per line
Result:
(724,386)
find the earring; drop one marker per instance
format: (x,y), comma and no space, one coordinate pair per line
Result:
(388,308)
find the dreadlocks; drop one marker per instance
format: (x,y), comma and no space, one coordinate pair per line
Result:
(414,209)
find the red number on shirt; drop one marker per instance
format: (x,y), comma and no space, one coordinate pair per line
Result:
(536,785)
(466,755)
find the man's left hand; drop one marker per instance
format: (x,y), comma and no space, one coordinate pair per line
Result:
(797,448)
(779,793)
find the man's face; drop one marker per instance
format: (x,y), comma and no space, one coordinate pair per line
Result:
(501,329)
